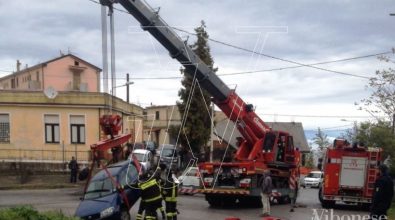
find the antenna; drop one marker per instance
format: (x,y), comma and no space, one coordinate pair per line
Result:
(50,92)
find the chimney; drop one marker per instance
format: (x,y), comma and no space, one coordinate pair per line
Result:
(18,65)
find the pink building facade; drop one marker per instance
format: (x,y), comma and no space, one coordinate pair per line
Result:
(64,73)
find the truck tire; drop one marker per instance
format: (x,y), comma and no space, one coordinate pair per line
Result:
(213,201)
(250,201)
(326,204)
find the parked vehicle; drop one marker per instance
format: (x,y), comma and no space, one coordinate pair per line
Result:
(168,156)
(349,174)
(313,179)
(189,180)
(103,200)
(144,157)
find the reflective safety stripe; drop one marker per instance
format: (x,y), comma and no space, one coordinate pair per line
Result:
(170,199)
(150,217)
(139,217)
(148,184)
(171,214)
(173,191)
(153,199)
(162,209)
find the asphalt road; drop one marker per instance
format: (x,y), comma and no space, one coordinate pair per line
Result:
(191,207)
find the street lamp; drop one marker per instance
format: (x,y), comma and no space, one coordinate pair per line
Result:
(126,84)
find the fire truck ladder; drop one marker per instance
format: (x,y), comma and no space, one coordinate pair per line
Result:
(372,172)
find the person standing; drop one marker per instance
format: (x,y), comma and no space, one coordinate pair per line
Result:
(266,187)
(170,190)
(150,195)
(382,196)
(73,166)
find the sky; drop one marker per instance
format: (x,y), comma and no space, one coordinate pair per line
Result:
(299,31)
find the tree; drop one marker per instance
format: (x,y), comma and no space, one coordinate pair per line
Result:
(195,101)
(378,134)
(321,140)
(309,159)
(383,91)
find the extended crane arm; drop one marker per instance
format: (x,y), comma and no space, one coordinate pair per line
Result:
(248,123)
(178,49)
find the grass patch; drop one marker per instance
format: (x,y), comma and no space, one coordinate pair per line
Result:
(29,213)
(391,211)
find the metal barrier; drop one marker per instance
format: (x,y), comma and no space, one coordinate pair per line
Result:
(46,156)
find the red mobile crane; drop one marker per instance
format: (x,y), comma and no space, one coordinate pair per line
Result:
(260,148)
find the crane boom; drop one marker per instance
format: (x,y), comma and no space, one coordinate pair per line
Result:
(178,49)
(248,123)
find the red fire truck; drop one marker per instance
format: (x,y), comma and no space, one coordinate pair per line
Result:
(349,174)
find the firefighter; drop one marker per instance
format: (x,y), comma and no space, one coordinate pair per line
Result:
(151,197)
(170,190)
(383,193)
(158,176)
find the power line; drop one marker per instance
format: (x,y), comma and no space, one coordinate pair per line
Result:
(9,71)
(320,116)
(270,56)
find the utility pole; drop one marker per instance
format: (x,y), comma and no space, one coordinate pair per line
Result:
(104,48)
(112,48)
(127,87)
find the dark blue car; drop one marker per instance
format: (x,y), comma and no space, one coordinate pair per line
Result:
(102,200)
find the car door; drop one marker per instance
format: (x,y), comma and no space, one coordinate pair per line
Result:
(128,180)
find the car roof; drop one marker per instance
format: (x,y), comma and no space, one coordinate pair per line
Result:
(167,146)
(316,172)
(113,169)
(140,151)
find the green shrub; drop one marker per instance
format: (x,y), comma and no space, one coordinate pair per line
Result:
(29,213)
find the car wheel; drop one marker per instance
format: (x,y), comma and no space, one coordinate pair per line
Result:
(125,215)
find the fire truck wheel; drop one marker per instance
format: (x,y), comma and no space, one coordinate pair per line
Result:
(365,206)
(326,204)
(213,201)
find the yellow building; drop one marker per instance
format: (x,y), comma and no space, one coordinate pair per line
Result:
(34,127)
(158,120)
(60,117)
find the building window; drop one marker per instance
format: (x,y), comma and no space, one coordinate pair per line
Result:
(52,133)
(76,63)
(4,128)
(37,76)
(157,115)
(77,129)
(12,83)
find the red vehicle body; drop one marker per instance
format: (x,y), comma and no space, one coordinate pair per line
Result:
(349,174)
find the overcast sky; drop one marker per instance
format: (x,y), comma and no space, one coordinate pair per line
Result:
(300,31)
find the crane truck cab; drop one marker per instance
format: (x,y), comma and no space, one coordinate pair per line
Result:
(349,174)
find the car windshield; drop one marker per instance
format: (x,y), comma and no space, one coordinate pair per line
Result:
(140,157)
(99,188)
(314,175)
(168,153)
